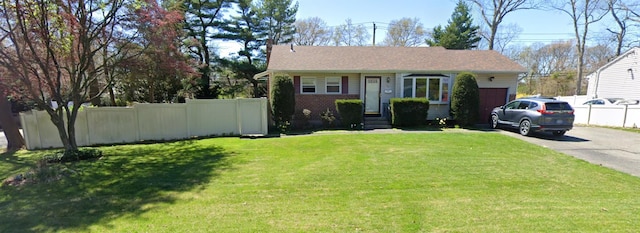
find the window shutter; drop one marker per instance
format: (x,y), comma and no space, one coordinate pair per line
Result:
(345,85)
(296,84)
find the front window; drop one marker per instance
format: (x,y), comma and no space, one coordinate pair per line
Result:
(308,84)
(436,89)
(334,85)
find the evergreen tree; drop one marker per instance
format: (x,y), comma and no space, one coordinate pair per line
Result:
(279,17)
(283,101)
(203,19)
(459,34)
(465,99)
(247,29)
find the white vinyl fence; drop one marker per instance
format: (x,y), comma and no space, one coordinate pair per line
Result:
(108,125)
(574,100)
(603,115)
(609,115)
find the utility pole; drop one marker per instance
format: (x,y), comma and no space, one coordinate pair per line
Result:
(374,33)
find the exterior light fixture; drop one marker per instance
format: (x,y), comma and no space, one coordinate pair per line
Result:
(491,78)
(388,79)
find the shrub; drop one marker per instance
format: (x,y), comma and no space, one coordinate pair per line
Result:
(409,111)
(72,155)
(327,118)
(465,99)
(283,101)
(350,111)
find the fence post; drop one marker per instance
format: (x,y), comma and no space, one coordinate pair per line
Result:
(589,115)
(624,120)
(238,116)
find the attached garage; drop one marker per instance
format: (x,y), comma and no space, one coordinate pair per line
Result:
(489,99)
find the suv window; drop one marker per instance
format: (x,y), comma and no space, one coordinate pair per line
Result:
(533,105)
(524,105)
(512,105)
(558,106)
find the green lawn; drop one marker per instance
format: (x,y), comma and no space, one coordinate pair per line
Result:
(411,182)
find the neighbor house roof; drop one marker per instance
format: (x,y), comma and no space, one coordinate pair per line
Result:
(388,59)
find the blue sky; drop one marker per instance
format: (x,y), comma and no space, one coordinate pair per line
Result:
(544,26)
(537,25)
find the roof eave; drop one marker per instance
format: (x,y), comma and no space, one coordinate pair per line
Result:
(398,71)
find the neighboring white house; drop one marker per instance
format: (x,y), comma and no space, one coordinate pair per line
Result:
(620,78)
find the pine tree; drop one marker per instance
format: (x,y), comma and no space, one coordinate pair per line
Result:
(459,34)
(203,19)
(279,17)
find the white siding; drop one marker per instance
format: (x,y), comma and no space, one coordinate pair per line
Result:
(615,79)
(499,81)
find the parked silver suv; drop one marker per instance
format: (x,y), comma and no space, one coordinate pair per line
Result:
(534,114)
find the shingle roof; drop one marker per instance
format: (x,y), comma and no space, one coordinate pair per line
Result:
(388,59)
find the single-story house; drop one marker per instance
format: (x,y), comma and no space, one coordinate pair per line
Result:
(620,78)
(322,74)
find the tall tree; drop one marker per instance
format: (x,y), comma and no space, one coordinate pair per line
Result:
(494,11)
(407,32)
(350,34)
(203,19)
(50,53)
(279,17)
(459,34)
(621,15)
(251,32)
(312,31)
(583,13)
(15,141)
(156,73)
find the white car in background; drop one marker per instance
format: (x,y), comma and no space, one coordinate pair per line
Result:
(611,101)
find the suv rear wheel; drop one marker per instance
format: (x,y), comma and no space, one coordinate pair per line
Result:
(525,127)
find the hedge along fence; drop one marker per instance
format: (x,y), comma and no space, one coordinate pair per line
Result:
(409,111)
(351,112)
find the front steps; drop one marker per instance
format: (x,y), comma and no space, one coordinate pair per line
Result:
(376,122)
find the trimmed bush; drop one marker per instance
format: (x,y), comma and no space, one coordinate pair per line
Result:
(465,99)
(72,155)
(350,111)
(283,101)
(409,111)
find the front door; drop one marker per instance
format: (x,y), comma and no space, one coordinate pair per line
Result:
(372,95)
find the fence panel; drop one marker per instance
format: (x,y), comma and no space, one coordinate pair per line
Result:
(108,125)
(162,121)
(112,125)
(632,116)
(248,112)
(607,115)
(574,100)
(213,117)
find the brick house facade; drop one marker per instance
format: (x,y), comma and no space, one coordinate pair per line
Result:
(323,74)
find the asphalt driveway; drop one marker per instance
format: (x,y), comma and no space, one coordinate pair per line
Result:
(611,148)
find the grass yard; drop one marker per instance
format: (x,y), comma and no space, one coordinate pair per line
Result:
(408,182)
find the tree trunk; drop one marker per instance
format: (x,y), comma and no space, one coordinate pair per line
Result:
(15,141)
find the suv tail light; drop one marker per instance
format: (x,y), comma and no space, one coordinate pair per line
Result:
(543,110)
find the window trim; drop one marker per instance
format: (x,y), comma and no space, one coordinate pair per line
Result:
(326,84)
(302,85)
